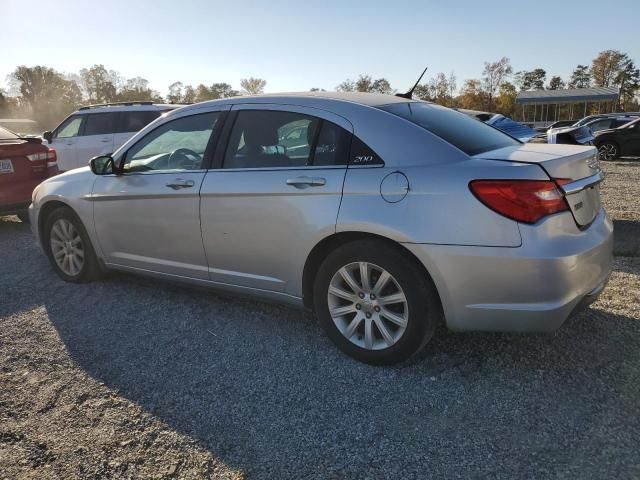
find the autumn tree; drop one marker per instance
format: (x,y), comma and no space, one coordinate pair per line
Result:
(253,86)
(612,68)
(493,75)
(472,96)
(506,99)
(580,78)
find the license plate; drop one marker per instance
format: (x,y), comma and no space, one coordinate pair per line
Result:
(6,166)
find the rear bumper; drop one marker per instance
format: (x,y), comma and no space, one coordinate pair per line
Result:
(557,271)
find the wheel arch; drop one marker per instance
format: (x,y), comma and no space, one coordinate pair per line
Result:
(330,243)
(45,210)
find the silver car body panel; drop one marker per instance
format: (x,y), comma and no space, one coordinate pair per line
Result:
(249,232)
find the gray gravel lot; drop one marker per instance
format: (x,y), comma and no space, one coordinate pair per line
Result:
(133,378)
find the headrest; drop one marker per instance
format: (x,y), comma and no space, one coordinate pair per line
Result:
(262,136)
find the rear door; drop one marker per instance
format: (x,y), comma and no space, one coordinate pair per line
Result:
(631,143)
(274,194)
(131,122)
(65,140)
(96,138)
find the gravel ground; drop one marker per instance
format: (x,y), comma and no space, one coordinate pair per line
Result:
(131,378)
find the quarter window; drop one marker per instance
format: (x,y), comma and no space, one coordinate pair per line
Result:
(70,128)
(271,139)
(177,145)
(100,124)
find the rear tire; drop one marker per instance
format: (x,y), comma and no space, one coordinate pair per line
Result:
(387,318)
(608,151)
(68,247)
(23,216)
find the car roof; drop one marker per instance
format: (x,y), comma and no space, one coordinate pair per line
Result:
(310,98)
(127,107)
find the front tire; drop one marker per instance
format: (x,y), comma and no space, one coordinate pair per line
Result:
(375,303)
(68,247)
(608,151)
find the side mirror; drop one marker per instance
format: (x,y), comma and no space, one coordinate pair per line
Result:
(102,165)
(48,136)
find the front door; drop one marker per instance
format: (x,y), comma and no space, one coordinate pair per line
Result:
(633,139)
(148,217)
(64,140)
(275,194)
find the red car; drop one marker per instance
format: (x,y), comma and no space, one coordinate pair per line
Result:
(24,163)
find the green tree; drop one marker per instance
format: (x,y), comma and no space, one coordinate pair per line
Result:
(253,86)
(137,90)
(99,85)
(531,80)
(175,92)
(555,83)
(612,68)
(224,90)
(365,83)
(493,75)
(580,78)
(46,94)
(189,95)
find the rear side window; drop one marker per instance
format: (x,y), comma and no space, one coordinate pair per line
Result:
(135,121)
(100,124)
(469,135)
(275,139)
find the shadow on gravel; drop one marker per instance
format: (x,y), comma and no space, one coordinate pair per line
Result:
(264,390)
(626,239)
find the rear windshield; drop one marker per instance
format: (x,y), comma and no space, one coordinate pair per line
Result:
(469,135)
(7,134)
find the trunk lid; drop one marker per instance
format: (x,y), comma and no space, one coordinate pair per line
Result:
(577,166)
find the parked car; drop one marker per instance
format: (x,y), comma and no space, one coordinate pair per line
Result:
(608,123)
(624,140)
(100,129)
(24,163)
(505,124)
(399,214)
(558,124)
(590,118)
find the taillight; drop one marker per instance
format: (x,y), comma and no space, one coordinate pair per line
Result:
(50,156)
(522,200)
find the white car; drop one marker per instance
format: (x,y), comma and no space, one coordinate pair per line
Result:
(99,130)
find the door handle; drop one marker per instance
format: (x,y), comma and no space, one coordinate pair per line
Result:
(69,143)
(303,182)
(105,140)
(178,183)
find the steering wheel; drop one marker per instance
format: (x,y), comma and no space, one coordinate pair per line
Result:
(181,156)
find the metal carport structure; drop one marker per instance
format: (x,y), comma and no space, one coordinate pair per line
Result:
(604,98)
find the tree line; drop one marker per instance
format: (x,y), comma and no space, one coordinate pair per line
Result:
(47,96)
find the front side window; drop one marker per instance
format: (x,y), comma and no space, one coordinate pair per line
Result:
(70,128)
(601,124)
(461,131)
(271,139)
(100,124)
(177,145)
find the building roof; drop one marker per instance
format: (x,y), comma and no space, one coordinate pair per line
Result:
(569,95)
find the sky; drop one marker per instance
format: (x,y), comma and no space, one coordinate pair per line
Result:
(297,45)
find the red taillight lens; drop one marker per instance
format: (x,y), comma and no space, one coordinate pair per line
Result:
(522,200)
(52,158)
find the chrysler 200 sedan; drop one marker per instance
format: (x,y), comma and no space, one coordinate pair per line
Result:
(383,215)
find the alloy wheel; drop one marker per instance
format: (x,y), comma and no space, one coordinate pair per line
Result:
(607,151)
(368,305)
(66,247)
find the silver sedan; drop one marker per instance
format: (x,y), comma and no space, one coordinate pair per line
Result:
(383,215)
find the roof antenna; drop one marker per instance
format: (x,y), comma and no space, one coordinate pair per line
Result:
(409,94)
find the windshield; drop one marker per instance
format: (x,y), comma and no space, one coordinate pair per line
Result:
(469,135)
